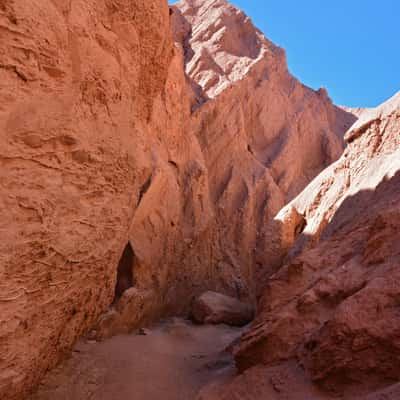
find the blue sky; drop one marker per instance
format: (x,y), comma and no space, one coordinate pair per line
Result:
(350,47)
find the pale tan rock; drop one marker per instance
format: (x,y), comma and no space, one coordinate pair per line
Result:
(216,308)
(357,111)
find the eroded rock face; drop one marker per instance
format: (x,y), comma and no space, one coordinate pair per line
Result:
(263,134)
(79,85)
(106,143)
(333,307)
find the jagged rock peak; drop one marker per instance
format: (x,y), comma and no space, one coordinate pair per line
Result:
(222,44)
(369,116)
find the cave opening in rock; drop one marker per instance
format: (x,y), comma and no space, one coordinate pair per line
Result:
(125,272)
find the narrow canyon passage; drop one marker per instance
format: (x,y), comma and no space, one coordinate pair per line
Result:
(172,361)
(161,160)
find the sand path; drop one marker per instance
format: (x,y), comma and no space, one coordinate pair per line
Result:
(173,361)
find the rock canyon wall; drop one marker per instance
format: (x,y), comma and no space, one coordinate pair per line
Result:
(144,152)
(80,84)
(263,134)
(328,323)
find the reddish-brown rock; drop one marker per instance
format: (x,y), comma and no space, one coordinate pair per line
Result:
(199,231)
(332,309)
(120,171)
(263,134)
(216,308)
(80,83)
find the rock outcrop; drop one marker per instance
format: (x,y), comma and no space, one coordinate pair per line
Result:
(216,308)
(328,322)
(135,171)
(80,84)
(263,134)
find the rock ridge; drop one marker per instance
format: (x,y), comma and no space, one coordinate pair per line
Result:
(327,320)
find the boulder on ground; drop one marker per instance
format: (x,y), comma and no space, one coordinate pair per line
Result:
(216,308)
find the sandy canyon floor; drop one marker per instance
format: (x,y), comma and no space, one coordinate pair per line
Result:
(172,361)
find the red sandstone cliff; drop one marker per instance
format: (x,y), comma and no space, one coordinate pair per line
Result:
(328,323)
(263,134)
(125,154)
(80,85)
